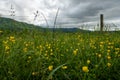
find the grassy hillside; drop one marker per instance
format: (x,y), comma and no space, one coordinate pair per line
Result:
(10,24)
(38,55)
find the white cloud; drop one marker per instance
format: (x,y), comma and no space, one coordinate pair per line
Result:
(72,12)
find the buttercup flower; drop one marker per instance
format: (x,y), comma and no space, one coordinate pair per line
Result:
(108,57)
(50,67)
(108,64)
(85,69)
(64,67)
(1,31)
(88,61)
(99,55)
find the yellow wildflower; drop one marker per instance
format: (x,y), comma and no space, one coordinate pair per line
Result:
(12,38)
(64,67)
(75,51)
(108,51)
(26,44)
(116,53)
(99,55)
(85,69)
(34,73)
(101,46)
(101,42)
(117,49)
(7,48)
(48,47)
(51,53)
(88,61)
(25,49)
(5,42)
(108,57)
(50,67)
(108,46)
(108,64)
(29,57)
(51,50)
(1,31)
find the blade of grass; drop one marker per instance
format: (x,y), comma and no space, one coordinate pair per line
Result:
(52,73)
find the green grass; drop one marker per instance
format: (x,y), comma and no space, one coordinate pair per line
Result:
(35,55)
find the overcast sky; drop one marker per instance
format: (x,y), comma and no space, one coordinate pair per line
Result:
(71,12)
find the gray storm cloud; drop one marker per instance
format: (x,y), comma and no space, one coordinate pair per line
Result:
(71,11)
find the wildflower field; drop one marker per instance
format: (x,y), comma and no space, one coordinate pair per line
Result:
(37,55)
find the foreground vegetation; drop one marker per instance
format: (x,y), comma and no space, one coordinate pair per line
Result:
(35,55)
(32,53)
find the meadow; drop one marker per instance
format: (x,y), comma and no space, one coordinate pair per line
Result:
(38,55)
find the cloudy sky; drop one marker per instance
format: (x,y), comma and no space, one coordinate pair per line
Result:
(72,13)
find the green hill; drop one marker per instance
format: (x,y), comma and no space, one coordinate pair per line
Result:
(6,23)
(10,24)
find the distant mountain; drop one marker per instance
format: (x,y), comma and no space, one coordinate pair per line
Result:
(6,23)
(68,30)
(10,24)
